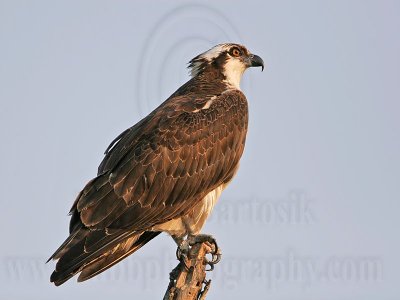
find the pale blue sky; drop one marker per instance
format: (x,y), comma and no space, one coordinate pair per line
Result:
(313,212)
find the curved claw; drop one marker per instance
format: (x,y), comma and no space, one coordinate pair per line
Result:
(215,250)
(178,253)
(215,258)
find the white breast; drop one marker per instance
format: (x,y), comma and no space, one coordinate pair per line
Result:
(195,220)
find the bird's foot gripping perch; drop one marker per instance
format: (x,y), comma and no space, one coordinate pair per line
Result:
(188,279)
(212,248)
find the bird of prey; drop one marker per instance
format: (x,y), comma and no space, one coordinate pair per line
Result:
(165,173)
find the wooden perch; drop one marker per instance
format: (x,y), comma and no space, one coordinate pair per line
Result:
(188,280)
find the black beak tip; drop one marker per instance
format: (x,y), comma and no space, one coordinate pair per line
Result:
(257,61)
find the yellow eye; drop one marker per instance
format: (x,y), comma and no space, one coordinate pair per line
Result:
(236,52)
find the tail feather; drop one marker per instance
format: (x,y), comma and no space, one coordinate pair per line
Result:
(105,251)
(108,260)
(66,245)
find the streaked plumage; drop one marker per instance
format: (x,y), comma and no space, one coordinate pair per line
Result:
(166,172)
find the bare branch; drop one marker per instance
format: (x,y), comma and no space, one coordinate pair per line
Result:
(188,279)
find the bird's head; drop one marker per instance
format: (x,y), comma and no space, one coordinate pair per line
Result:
(231,60)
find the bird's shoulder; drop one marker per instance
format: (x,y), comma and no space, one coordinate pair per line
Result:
(185,117)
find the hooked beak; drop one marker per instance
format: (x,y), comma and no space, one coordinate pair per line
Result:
(256,61)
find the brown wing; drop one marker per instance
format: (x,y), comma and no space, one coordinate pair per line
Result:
(159,170)
(156,171)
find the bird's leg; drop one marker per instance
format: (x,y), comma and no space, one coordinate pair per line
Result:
(215,251)
(182,250)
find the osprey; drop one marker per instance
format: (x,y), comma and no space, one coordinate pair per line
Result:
(165,173)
